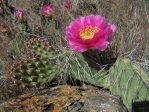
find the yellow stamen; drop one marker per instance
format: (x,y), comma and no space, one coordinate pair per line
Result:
(88,32)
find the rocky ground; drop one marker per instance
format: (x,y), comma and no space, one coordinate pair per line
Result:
(65,98)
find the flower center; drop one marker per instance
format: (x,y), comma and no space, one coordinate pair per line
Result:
(88,32)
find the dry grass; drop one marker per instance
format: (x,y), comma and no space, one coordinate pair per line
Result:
(130,16)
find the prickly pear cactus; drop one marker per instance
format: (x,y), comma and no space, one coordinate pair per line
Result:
(39,67)
(125,79)
(33,71)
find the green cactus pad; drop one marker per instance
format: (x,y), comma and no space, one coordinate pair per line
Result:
(129,81)
(33,71)
(39,47)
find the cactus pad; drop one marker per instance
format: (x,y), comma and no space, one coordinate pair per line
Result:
(33,71)
(129,81)
(39,47)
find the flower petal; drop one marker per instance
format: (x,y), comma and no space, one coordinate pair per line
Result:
(77,46)
(100,22)
(102,46)
(112,27)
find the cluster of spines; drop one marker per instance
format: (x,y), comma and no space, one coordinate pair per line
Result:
(38,47)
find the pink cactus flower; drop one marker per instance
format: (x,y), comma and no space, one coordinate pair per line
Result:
(20,13)
(68,4)
(89,32)
(47,10)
